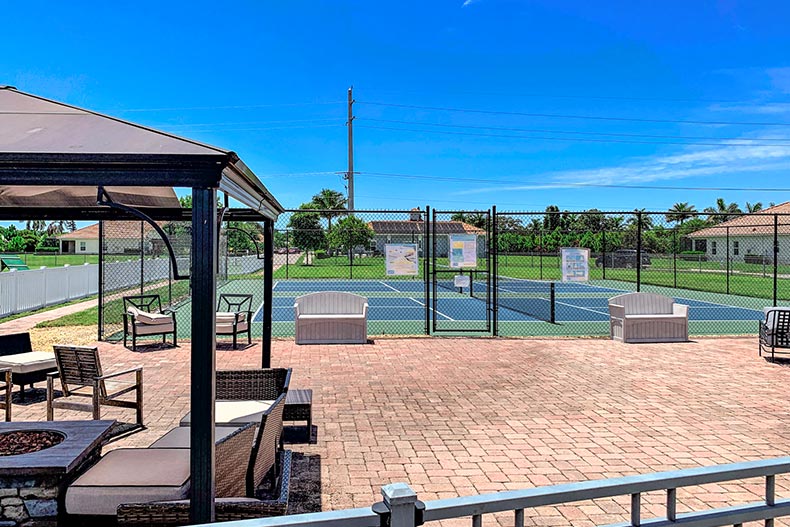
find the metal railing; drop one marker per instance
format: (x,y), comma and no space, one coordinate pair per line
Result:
(401,507)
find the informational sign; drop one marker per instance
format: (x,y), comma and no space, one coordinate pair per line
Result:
(401,259)
(461,281)
(463,250)
(575,264)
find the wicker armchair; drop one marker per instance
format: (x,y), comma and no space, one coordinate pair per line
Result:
(774,331)
(81,376)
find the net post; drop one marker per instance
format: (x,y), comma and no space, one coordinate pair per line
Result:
(552,302)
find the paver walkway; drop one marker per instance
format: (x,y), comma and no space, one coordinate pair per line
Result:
(455,417)
(27,323)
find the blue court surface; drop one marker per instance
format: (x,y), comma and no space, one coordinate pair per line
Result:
(404,300)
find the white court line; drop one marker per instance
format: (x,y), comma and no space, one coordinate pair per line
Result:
(389,286)
(584,308)
(432,309)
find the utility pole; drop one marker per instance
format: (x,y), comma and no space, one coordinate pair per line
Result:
(350,173)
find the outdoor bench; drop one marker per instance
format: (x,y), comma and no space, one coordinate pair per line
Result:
(645,317)
(331,317)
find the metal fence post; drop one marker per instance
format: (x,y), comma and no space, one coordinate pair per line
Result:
(101,280)
(675,256)
(776,257)
(401,500)
(727,232)
(426,265)
(603,254)
(638,250)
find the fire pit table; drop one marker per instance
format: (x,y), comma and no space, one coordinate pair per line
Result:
(32,484)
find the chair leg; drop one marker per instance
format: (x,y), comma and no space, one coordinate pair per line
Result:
(50,397)
(140,397)
(249,337)
(8,386)
(234,340)
(96,407)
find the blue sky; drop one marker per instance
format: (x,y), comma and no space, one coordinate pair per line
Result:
(269,80)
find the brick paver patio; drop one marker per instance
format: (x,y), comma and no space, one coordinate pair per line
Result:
(455,417)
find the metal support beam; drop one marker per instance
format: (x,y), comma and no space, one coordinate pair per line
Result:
(268,293)
(203,280)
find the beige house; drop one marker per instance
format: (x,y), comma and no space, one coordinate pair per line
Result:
(749,238)
(411,231)
(120,237)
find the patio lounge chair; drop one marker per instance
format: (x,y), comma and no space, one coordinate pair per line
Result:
(143,316)
(265,461)
(242,396)
(775,331)
(135,477)
(81,376)
(234,316)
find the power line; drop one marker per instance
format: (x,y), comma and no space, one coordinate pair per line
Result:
(570,139)
(563,184)
(573,132)
(258,128)
(233,107)
(232,123)
(569,116)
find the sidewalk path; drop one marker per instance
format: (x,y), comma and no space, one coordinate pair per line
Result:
(27,323)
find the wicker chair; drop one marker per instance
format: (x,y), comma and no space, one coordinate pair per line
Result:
(234,316)
(265,461)
(81,376)
(102,489)
(143,315)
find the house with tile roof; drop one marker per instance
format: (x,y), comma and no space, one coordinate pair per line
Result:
(749,238)
(412,231)
(120,237)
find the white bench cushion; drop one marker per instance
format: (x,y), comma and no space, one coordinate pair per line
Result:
(240,412)
(153,329)
(331,316)
(153,318)
(29,362)
(130,475)
(224,317)
(179,437)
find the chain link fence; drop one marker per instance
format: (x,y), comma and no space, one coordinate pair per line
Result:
(726,267)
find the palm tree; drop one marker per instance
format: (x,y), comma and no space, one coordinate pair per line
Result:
(60,226)
(752,208)
(332,203)
(722,211)
(645,221)
(35,225)
(680,212)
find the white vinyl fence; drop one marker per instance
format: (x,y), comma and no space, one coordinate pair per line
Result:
(22,291)
(28,290)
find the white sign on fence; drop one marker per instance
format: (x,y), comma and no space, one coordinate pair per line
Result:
(575,264)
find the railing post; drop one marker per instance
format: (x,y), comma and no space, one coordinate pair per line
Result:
(636,509)
(401,501)
(770,496)
(672,495)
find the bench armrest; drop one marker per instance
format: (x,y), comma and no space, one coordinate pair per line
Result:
(365,309)
(680,309)
(616,311)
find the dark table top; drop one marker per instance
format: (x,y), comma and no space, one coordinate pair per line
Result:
(82,438)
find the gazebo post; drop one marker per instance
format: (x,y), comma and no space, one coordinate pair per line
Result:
(204,283)
(268,290)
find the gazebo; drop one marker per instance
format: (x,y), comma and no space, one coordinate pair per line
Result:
(62,162)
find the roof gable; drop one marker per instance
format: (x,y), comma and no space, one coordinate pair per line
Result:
(755,224)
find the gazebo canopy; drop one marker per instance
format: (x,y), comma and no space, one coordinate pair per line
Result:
(54,157)
(49,143)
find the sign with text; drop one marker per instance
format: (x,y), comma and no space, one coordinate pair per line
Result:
(463,250)
(575,264)
(401,259)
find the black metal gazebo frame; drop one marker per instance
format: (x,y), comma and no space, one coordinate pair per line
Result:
(206,172)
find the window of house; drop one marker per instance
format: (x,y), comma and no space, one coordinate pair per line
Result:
(713,247)
(82,246)
(735,248)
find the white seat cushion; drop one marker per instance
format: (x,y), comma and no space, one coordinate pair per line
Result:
(179,437)
(228,327)
(29,362)
(130,475)
(153,329)
(233,412)
(224,317)
(153,318)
